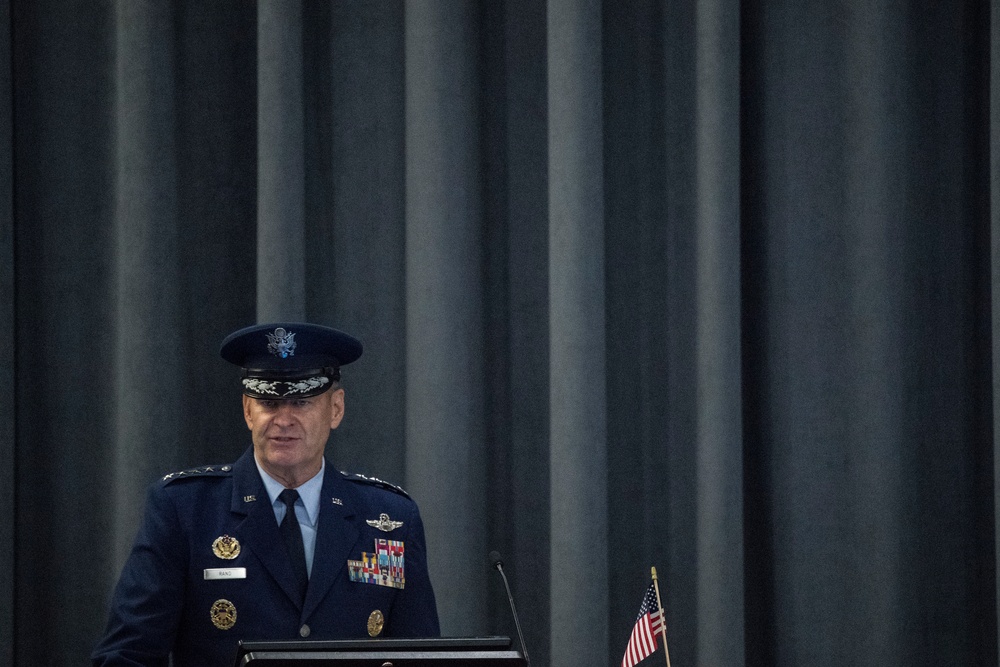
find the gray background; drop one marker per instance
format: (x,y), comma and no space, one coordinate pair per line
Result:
(704,285)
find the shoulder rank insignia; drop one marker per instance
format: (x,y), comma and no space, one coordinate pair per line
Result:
(374,481)
(384,523)
(203,470)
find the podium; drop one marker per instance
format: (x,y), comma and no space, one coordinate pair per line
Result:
(431,652)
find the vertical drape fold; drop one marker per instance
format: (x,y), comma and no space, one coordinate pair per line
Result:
(719,443)
(8,380)
(578,568)
(995,272)
(445,388)
(281,273)
(147,323)
(518,374)
(357,227)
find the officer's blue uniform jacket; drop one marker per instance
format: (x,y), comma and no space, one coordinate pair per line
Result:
(163,602)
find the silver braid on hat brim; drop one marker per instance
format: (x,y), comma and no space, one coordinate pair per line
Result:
(264,384)
(261,388)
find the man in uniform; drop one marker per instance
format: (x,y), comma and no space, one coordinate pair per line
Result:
(221,557)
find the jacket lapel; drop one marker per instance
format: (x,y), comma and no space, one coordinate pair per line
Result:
(260,529)
(335,537)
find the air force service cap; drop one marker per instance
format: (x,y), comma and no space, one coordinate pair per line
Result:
(285,360)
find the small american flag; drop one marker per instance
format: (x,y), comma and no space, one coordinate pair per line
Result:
(649,623)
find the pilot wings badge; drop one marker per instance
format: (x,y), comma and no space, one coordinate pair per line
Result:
(384,523)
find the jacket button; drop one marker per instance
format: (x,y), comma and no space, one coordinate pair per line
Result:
(304,631)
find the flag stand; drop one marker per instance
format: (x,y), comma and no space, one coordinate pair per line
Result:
(663,617)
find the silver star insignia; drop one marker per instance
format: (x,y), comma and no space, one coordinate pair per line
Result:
(384,523)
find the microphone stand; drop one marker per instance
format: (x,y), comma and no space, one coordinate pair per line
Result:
(498,564)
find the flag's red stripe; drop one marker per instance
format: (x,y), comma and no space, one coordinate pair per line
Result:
(642,643)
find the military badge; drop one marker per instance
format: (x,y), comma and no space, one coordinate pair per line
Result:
(382,568)
(375,623)
(281,343)
(384,523)
(223,614)
(226,547)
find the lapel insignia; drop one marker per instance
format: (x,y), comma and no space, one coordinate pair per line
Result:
(384,523)
(249,499)
(337,501)
(226,547)
(375,622)
(382,568)
(223,614)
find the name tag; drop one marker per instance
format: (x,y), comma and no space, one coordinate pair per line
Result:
(226,573)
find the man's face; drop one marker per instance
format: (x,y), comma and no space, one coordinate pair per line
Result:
(289,436)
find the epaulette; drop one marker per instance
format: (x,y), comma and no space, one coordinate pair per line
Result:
(211,471)
(374,481)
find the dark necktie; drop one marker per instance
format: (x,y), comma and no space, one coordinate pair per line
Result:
(292,535)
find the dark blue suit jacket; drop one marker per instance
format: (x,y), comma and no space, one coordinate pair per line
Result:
(162,602)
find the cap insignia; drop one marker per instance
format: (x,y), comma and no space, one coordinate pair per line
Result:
(281,343)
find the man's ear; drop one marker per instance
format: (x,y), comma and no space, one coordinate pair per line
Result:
(247,402)
(337,405)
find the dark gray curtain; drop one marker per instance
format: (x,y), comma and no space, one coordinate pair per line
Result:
(705,286)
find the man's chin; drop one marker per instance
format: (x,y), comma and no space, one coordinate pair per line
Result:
(285,459)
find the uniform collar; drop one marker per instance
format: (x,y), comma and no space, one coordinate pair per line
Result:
(309,492)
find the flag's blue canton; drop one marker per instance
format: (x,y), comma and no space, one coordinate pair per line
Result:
(648,603)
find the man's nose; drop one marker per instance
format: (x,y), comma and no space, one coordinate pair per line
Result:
(283,414)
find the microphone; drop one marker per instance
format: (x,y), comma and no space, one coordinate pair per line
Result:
(497,563)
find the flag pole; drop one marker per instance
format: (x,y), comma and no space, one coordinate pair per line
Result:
(663,617)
